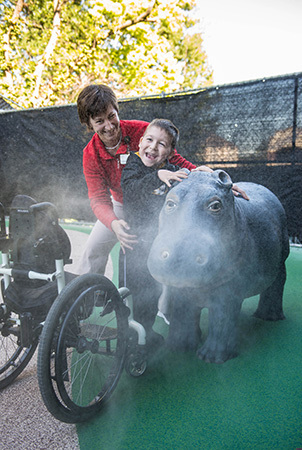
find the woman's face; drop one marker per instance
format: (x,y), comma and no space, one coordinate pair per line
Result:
(155,147)
(107,126)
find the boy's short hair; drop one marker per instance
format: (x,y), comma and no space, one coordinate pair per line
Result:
(94,100)
(169,127)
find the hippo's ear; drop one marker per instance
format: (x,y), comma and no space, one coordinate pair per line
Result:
(223,178)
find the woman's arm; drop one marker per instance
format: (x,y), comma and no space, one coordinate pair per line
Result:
(178,160)
(98,190)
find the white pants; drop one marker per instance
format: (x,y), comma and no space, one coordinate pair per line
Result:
(98,246)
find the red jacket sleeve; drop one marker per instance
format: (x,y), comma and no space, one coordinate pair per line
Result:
(178,160)
(98,189)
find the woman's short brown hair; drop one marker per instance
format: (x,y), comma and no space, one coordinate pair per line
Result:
(94,100)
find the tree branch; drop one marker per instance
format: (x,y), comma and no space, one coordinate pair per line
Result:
(6,39)
(141,18)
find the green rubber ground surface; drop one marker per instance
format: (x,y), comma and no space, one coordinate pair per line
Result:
(251,402)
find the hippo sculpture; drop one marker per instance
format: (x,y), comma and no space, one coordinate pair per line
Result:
(212,251)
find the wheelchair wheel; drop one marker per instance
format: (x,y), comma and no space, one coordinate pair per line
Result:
(82,348)
(13,356)
(136,364)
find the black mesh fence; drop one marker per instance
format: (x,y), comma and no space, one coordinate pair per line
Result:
(253,130)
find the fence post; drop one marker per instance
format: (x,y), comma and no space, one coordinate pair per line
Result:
(295,121)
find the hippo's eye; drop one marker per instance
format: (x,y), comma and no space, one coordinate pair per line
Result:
(215,206)
(170,206)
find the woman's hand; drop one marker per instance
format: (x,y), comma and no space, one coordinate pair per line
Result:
(237,191)
(202,169)
(166,176)
(120,228)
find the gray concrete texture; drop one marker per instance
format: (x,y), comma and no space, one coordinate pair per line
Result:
(25,422)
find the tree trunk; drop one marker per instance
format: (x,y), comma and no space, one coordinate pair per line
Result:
(6,39)
(57,6)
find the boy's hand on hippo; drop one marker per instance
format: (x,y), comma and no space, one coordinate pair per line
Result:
(166,176)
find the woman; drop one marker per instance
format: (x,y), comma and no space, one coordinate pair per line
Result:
(103,160)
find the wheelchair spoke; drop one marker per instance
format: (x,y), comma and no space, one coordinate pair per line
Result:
(13,356)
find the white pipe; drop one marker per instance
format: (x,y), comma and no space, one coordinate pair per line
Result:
(138,327)
(30,274)
(5,265)
(60,275)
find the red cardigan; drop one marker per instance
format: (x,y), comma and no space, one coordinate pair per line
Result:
(103,171)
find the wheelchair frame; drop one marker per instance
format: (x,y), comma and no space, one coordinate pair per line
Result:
(86,339)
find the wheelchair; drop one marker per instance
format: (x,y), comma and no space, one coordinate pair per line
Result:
(83,324)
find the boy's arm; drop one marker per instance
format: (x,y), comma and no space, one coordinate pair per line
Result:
(138,180)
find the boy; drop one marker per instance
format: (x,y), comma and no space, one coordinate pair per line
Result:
(145,180)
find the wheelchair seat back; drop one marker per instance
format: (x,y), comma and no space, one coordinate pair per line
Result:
(35,241)
(36,238)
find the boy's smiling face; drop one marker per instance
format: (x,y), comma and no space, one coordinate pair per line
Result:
(155,146)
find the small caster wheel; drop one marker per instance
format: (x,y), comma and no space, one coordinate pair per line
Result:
(135,365)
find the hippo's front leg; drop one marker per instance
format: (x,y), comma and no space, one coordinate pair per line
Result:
(184,329)
(221,343)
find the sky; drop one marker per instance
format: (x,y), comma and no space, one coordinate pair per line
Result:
(251,39)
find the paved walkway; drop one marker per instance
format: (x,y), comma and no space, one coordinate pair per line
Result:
(25,422)
(78,240)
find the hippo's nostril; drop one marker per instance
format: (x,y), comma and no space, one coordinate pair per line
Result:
(200,259)
(165,254)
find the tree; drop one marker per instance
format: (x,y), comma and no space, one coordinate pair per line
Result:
(52,48)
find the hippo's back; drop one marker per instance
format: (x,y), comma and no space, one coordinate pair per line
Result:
(265,216)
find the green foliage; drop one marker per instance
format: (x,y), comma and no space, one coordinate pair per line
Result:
(50,49)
